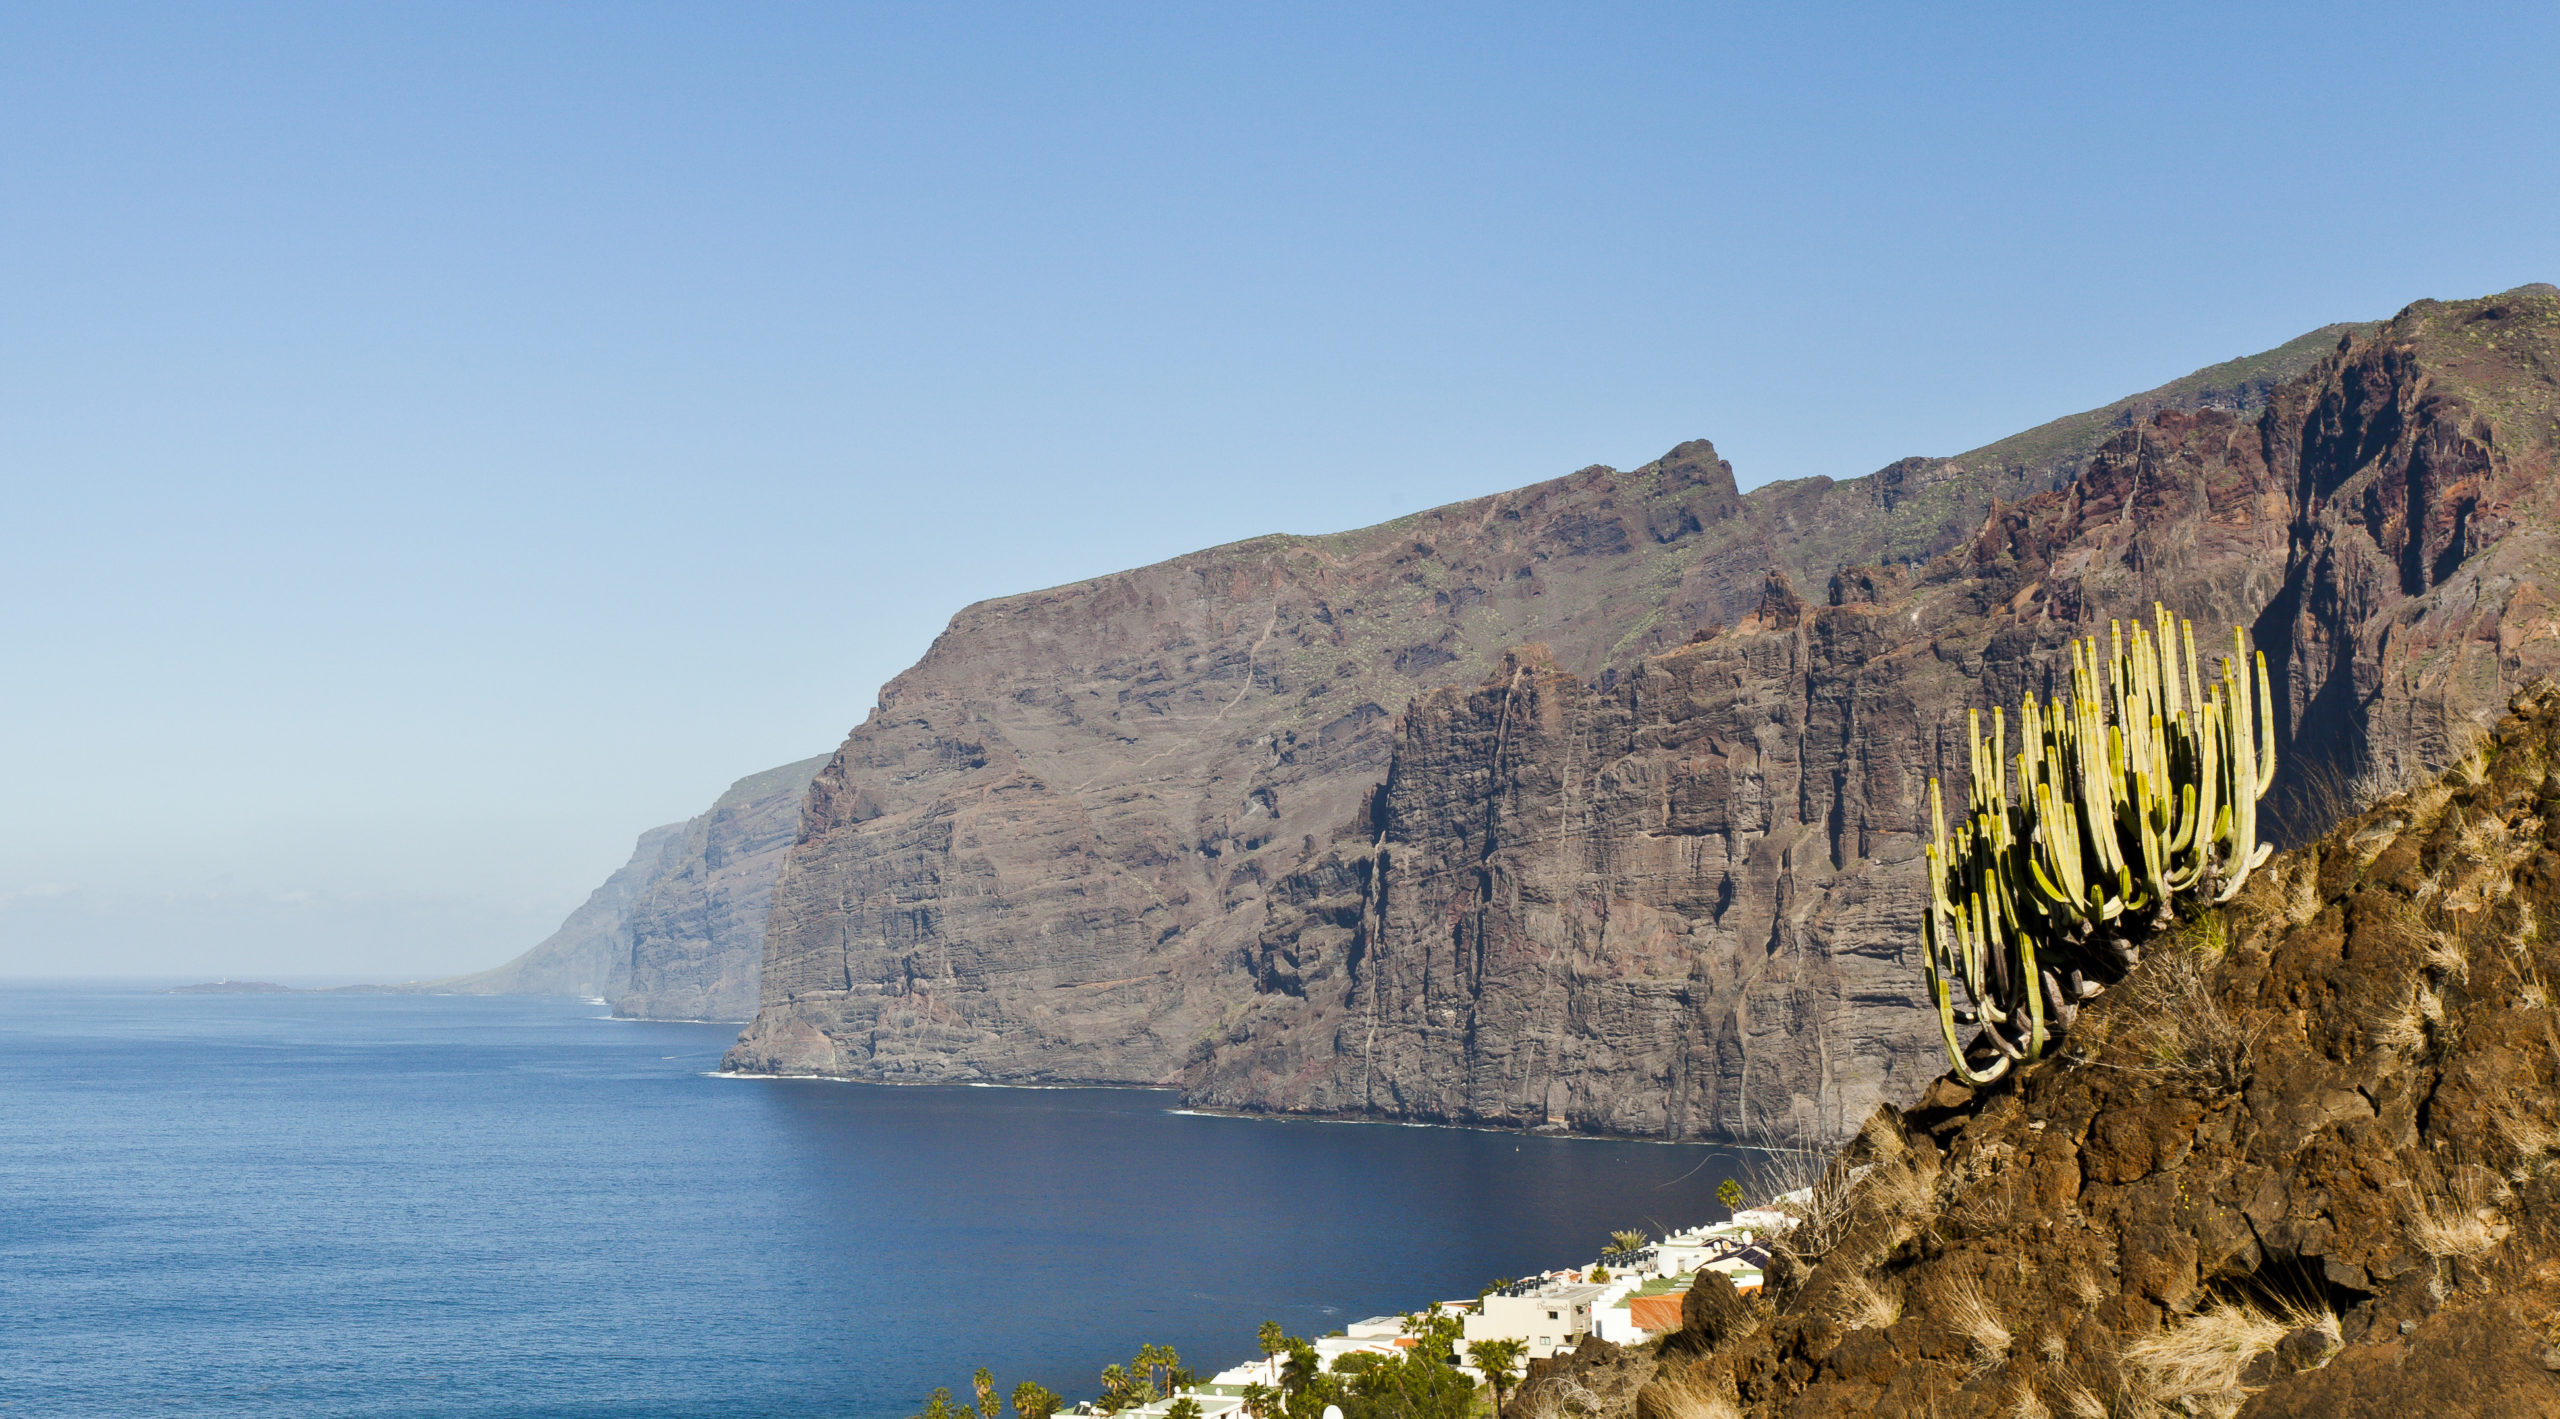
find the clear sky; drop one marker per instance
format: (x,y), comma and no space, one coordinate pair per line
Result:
(442,441)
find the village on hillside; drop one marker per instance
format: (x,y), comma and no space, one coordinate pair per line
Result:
(1628,1294)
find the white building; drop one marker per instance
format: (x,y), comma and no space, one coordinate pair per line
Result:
(1548,1315)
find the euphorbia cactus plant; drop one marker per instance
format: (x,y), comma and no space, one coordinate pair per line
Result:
(2138,791)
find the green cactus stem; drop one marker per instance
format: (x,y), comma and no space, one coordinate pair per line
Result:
(2136,792)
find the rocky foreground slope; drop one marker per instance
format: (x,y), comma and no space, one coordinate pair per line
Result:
(2301,1163)
(1169,824)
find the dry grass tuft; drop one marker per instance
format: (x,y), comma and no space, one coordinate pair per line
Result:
(1687,1393)
(2443,953)
(2079,1403)
(2027,1406)
(2405,1026)
(2195,1366)
(2302,902)
(1900,1191)
(2473,766)
(2178,1031)
(1862,1307)
(1882,1135)
(2532,1141)
(2441,1229)
(1966,1311)
(2481,834)
(2086,1287)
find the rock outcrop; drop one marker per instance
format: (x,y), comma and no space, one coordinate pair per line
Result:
(696,932)
(1682,900)
(2300,1163)
(1117,831)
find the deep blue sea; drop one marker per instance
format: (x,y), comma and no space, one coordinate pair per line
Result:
(349,1205)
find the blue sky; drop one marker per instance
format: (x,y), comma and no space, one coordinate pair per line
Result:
(442,441)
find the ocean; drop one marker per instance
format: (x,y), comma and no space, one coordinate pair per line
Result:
(376,1206)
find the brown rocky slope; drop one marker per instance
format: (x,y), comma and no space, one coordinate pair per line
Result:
(1050,853)
(2301,1163)
(1682,901)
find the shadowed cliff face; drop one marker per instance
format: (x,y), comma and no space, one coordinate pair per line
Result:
(1684,904)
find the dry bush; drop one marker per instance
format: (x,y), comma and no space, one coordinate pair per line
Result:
(1966,1311)
(1685,1392)
(1563,1397)
(2195,1366)
(1822,1192)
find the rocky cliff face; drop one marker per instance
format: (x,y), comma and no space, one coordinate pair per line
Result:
(696,932)
(1042,855)
(2301,1163)
(1111,830)
(1682,902)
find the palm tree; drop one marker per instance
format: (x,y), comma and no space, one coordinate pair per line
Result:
(1258,1400)
(1273,1338)
(1300,1369)
(1630,1239)
(1156,1367)
(1033,1400)
(989,1407)
(1499,1360)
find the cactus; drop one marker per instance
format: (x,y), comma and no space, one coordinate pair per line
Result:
(2137,792)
